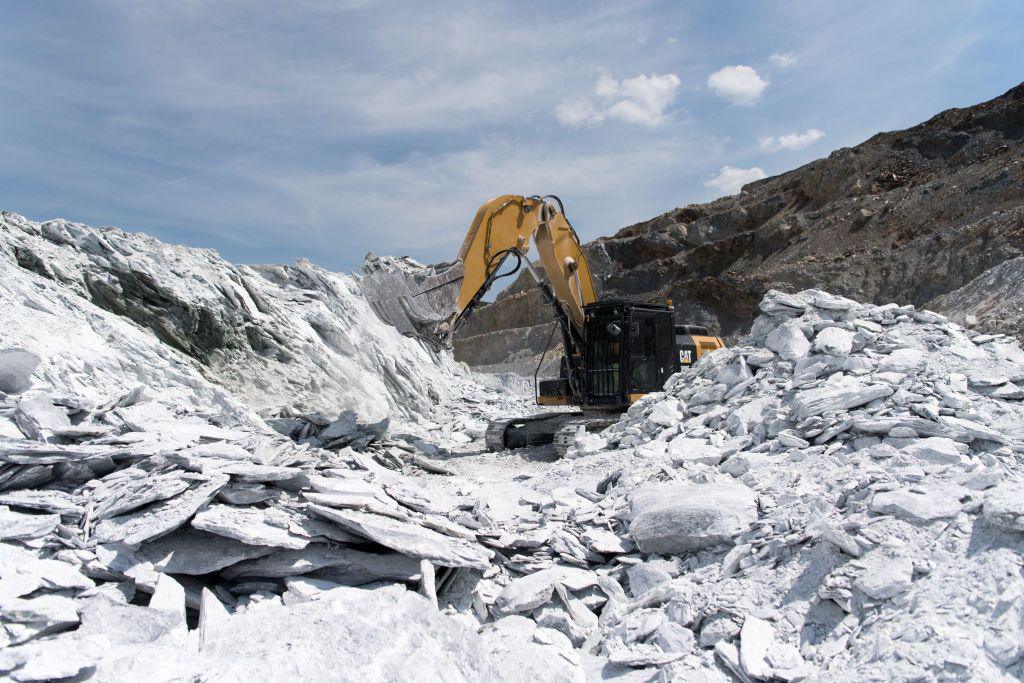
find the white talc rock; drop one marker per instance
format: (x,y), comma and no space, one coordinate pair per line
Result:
(20,525)
(1004,506)
(886,577)
(409,539)
(683,449)
(936,450)
(924,504)
(16,368)
(266,527)
(834,341)
(158,519)
(907,361)
(838,396)
(789,341)
(390,634)
(674,519)
(756,637)
(665,413)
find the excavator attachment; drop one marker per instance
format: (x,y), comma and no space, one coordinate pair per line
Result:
(418,300)
(504,227)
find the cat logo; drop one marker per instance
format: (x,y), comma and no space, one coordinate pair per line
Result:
(684,356)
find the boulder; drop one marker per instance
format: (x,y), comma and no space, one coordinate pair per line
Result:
(16,368)
(834,341)
(1004,506)
(788,341)
(673,518)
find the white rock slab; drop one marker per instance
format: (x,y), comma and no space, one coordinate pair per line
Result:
(192,552)
(1004,506)
(409,539)
(674,518)
(886,578)
(920,504)
(254,526)
(683,449)
(160,518)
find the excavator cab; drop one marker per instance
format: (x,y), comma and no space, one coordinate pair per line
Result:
(629,349)
(629,352)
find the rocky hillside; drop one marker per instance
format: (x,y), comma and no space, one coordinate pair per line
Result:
(932,215)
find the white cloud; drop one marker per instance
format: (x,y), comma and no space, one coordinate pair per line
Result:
(642,100)
(738,84)
(784,60)
(792,140)
(731,180)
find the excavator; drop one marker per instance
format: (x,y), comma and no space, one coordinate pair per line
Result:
(615,352)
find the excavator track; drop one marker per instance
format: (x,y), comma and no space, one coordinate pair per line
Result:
(494,437)
(537,430)
(565,436)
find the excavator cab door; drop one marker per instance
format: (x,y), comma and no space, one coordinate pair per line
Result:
(651,350)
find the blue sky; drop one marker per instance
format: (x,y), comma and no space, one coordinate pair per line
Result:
(274,131)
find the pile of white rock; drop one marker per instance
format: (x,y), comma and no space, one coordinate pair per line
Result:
(841,497)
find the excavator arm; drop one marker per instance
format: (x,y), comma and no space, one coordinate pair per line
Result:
(503,228)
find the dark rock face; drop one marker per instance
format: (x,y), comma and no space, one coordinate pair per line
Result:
(910,216)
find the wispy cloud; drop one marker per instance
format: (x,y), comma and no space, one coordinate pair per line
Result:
(731,180)
(784,60)
(740,85)
(791,141)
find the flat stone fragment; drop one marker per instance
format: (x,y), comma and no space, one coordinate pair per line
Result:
(356,566)
(160,518)
(921,504)
(38,417)
(838,396)
(16,368)
(50,611)
(57,502)
(607,542)
(19,525)
(263,527)
(54,659)
(213,615)
(1004,506)
(533,590)
(974,429)
(684,449)
(38,453)
(409,539)
(188,551)
(674,519)
(756,636)
(55,574)
(886,578)
(141,488)
(936,450)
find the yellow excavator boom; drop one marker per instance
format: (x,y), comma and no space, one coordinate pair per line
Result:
(504,227)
